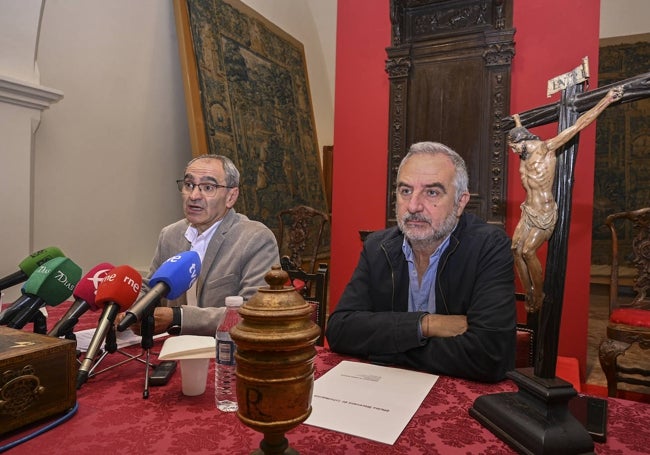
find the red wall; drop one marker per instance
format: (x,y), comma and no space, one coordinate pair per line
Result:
(552,37)
(360,132)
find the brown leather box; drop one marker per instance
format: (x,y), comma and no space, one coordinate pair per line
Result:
(37,377)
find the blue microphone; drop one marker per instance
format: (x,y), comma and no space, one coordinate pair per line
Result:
(174,277)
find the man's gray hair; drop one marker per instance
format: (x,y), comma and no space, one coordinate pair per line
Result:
(229,168)
(436,148)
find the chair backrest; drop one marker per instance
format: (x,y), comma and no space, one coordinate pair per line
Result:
(301,234)
(313,288)
(525,348)
(638,230)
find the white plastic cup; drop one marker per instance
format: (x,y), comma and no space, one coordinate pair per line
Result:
(194,376)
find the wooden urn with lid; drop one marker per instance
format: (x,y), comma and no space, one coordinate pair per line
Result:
(275,361)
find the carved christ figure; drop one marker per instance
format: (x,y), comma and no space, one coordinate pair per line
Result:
(539,210)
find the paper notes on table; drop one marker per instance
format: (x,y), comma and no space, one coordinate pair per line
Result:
(369,401)
(123,339)
(188,347)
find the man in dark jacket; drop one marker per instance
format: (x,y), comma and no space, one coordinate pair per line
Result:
(435,293)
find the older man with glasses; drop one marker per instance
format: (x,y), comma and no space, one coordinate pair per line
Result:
(236,252)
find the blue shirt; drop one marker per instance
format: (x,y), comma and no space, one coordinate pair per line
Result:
(422,294)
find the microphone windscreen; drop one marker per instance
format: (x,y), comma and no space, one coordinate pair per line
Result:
(178,272)
(121,286)
(86,289)
(37,258)
(54,281)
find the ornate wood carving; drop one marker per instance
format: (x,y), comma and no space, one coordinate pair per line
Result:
(449,76)
(301,235)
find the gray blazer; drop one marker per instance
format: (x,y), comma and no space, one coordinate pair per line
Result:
(241,252)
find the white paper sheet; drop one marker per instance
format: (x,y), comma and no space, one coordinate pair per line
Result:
(188,347)
(123,339)
(369,401)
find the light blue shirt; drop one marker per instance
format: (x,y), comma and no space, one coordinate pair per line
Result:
(422,294)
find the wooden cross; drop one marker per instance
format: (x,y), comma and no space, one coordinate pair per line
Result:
(573,102)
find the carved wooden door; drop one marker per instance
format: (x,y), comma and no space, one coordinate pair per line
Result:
(449,73)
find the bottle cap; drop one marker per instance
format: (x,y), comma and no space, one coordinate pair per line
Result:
(234,300)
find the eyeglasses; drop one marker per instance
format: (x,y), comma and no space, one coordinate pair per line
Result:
(208,189)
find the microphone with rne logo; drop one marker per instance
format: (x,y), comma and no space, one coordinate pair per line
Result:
(84,295)
(51,283)
(174,277)
(28,265)
(116,292)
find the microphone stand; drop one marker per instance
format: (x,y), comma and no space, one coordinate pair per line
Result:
(40,323)
(69,335)
(110,347)
(146,330)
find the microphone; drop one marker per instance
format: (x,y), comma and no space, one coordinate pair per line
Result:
(51,284)
(8,313)
(116,292)
(84,294)
(28,265)
(174,277)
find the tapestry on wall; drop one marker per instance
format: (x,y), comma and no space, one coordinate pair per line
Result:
(622,162)
(255,105)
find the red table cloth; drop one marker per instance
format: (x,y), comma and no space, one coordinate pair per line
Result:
(113,417)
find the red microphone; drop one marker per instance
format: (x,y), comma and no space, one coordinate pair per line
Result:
(84,294)
(117,292)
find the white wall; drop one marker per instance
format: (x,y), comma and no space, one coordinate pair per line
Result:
(19,23)
(107,155)
(22,99)
(624,17)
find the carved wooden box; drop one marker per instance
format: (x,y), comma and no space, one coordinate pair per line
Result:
(37,377)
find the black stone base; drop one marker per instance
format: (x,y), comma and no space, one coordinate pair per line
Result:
(536,419)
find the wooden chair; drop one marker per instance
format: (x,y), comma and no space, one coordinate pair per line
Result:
(629,317)
(525,350)
(566,368)
(313,288)
(301,234)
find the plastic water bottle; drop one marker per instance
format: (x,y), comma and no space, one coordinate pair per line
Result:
(224,371)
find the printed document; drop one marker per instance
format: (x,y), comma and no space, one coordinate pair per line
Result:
(123,339)
(369,401)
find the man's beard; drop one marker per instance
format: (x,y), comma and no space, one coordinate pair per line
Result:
(432,235)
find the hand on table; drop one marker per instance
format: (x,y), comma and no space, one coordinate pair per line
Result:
(443,325)
(162,317)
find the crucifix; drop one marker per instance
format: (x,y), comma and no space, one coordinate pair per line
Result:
(536,419)
(549,218)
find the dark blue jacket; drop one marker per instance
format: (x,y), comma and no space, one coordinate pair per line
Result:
(475,278)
